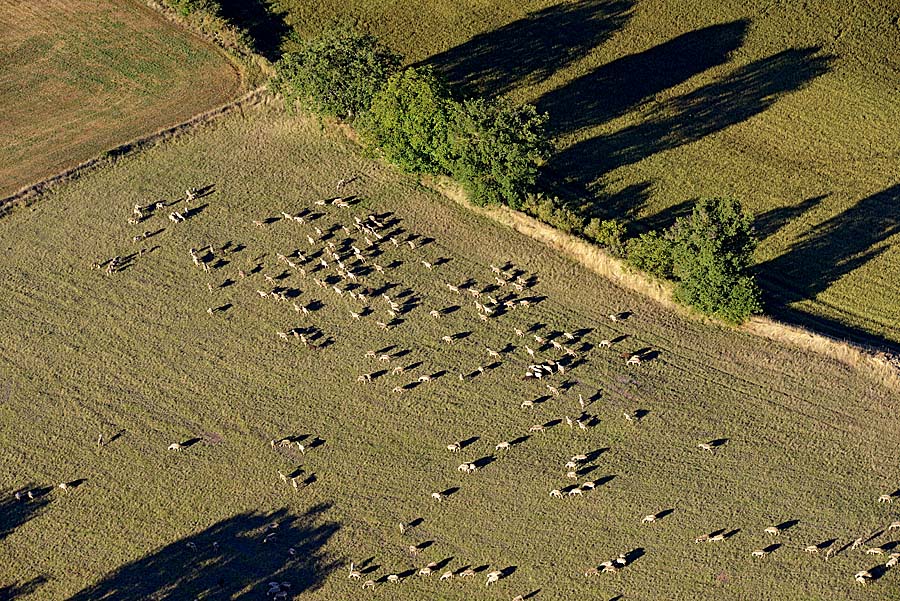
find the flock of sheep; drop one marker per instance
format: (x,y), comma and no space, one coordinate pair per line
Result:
(349,259)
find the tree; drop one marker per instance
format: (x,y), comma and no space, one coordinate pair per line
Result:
(336,73)
(608,233)
(496,148)
(712,251)
(410,119)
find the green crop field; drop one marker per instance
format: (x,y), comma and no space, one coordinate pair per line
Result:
(79,77)
(799,441)
(791,107)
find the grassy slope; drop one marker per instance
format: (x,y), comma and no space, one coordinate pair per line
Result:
(136,351)
(790,107)
(81,77)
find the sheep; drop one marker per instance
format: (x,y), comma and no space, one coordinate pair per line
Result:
(856,544)
(467,573)
(398,390)
(702,538)
(355,315)
(175,447)
(282,335)
(759,553)
(885,499)
(569,422)
(492,578)
(705,447)
(633,360)
(393,578)
(492,353)
(354,574)
(579,458)
(812,549)
(581,424)
(437,496)
(893,526)
(553,390)
(716,538)
(590,572)
(446,576)
(772,530)
(423,379)
(536,428)
(426,571)
(605,344)
(570,465)
(874,551)
(447,339)
(530,351)
(892,561)
(527,404)
(413,551)
(466,468)
(434,313)
(454,448)
(427,264)
(502,446)
(648,519)
(575,491)
(573,475)
(862,577)
(384,358)
(556,493)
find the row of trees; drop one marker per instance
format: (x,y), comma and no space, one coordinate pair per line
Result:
(491,147)
(495,149)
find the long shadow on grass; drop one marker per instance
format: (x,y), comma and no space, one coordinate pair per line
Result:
(234,559)
(622,84)
(15,512)
(744,92)
(827,253)
(265,27)
(16,590)
(531,49)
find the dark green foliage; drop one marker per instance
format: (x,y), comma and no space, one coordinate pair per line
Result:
(652,253)
(711,256)
(337,73)
(708,254)
(496,149)
(410,120)
(608,233)
(551,211)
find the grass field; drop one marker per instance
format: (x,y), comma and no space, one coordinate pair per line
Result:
(135,356)
(81,77)
(789,107)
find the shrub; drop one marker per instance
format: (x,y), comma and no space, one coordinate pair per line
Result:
(186,7)
(495,149)
(651,252)
(409,120)
(608,233)
(551,211)
(337,73)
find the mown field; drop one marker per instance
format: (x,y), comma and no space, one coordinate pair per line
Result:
(80,77)
(805,442)
(789,107)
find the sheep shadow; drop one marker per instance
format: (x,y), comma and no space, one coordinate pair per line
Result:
(484,461)
(772,548)
(190,442)
(469,441)
(450,491)
(787,525)
(15,512)
(664,513)
(520,440)
(734,532)
(15,590)
(718,442)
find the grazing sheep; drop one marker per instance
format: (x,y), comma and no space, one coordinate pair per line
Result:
(856,544)
(705,447)
(426,571)
(437,496)
(447,339)
(434,313)
(413,551)
(885,499)
(862,577)
(492,353)
(553,390)
(648,519)
(772,530)
(467,573)
(530,351)
(874,551)
(354,574)
(423,379)
(492,578)
(590,572)
(759,553)
(393,578)
(556,493)
(446,576)
(892,562)
(174,447)
(716,538)
(575,491)
(454,448)
(633,360)
(536,428)
(570,465)
(527,404)
(702,538)
(893,526)
(572,475)
(812,549)
(579,458)
(502,446)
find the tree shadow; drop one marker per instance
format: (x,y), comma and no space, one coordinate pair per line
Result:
(265,27)
(531,49)
(232,559)
(15,512)
(770,222)
(12,591)
(744,92)
(621,85)
(827,253)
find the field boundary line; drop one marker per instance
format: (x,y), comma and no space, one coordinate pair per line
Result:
(882,365)
(30,191)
